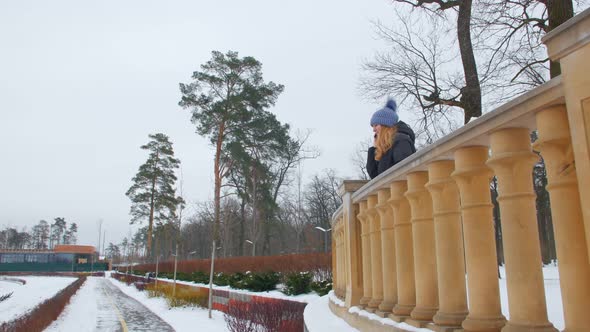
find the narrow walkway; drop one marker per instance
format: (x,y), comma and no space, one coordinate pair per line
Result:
(101,306)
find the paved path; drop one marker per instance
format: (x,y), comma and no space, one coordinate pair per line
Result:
(101,306)
(131,315)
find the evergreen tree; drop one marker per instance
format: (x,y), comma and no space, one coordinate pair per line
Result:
(228,100)
(152,193)
(58,229)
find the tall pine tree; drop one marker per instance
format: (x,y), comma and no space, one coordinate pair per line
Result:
(228,99)
(152,193)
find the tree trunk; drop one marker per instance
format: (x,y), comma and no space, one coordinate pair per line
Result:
(217,171)
(242,235)
(471,93)
(151,222)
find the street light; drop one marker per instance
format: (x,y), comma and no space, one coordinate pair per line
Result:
(253,247)
(325,236)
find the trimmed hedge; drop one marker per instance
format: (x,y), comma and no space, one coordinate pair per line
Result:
(45,313)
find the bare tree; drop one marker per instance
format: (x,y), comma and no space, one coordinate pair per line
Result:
(419,70)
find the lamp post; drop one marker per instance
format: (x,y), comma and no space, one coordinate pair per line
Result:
(325,236)
(253,247)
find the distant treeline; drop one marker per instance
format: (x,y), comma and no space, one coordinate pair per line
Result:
(44,235)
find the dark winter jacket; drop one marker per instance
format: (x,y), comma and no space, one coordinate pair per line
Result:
(403,146)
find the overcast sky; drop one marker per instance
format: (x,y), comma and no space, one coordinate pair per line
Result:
(82,84)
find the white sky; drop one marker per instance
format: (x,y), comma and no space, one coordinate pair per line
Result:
(82,84)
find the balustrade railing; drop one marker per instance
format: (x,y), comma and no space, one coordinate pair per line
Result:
(417,245)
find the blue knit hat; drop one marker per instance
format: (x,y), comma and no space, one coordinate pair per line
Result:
(386,116)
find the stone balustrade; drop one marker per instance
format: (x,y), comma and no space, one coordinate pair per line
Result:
(417,245)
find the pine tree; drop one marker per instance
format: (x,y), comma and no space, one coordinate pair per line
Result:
(152,193)
(228,100)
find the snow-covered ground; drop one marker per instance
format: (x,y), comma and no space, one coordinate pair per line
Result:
(181,319)
(80,315)
(27,297)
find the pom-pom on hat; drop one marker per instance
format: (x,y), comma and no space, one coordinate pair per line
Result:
(386,116)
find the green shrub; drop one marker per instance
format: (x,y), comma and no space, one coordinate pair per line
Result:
(298,283)
(221,279)
(236,280)
(200,277)
(262,282)
(321,287)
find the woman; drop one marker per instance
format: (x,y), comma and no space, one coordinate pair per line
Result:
(394,140)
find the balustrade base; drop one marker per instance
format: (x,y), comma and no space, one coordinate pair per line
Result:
(403,311)
(441,328)
(398,319)
(361,322)
(512,327)
(382,314)
(386,306)
(484,324)
(417,323)
(449,319)
(374,304)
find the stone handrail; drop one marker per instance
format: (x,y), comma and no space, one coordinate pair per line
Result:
(416,244)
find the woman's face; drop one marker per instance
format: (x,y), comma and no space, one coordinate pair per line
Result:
(377,128)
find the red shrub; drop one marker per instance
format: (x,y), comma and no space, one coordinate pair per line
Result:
(264,314)
(45,313)
(282,263)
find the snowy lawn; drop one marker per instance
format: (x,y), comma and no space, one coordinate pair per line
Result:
(181,319)
(27,297)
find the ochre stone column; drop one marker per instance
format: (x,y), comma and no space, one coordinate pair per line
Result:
(353,271)
(387,252)
(376,267)
(570,46)
(336,236)
(473,179)
(424,250)
(450,258)
(366,248)
(574,268)
(404,252)
(513,161)
(341,260)
(335,275)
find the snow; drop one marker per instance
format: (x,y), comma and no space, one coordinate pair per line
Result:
(181,319)
(27,297)
(81,313)
(317,311)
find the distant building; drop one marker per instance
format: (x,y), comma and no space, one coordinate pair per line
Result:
(71,258)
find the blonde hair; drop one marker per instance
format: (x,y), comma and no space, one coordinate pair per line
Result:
(384,141)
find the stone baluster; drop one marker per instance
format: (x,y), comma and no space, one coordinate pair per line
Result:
(473,179)
(387,253)
(512,160)
(574,267)
(366,253)
(342,260)
(404,252)
(336,235)
(376,267)
(335,275)
(450,259)
(424,250)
